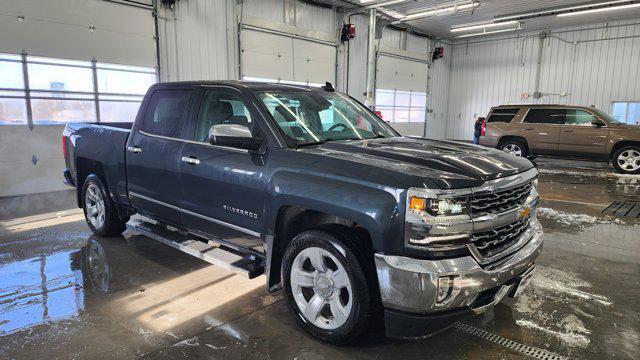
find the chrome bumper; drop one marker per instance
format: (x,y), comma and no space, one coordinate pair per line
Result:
(410,285)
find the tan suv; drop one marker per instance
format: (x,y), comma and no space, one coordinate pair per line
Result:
(561,130)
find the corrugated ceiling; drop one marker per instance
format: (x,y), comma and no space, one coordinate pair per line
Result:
(488,9)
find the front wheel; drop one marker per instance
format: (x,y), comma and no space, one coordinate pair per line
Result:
(626,160)
(325,287)
(99,210)
(514,147)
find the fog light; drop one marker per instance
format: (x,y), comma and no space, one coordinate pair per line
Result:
(445,287)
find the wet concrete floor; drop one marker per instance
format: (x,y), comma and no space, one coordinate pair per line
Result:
(67,294)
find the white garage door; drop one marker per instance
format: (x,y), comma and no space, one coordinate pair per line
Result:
(401,90)
(274,57)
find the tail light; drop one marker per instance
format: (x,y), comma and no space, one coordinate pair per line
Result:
(484,128)
(64,146)
(379,113)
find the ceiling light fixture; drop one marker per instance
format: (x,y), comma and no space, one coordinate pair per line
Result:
(449,8)
(386,3)
(558,10)
(482,26)
(489,32)
(599,10)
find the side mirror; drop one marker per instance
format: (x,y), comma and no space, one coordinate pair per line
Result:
(235,136)
(598,123)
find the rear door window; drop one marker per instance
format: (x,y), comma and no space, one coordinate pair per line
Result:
(165,114)
(546,116)
(579,117)
(503,115)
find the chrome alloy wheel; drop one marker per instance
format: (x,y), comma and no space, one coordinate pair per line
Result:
(94,206)
(512,149)
(321,288)
(629,160)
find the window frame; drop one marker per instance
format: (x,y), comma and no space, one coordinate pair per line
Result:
(524,119)
(409,109)
(184,118)
(627,104)
(595,116)
(256,131)
(96,96)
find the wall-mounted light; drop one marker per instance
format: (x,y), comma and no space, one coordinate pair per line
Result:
(599,10)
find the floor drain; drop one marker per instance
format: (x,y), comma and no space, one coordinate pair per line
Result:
(623,208)
(509,344)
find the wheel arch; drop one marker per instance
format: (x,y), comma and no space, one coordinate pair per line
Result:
(521,139)
(620,144)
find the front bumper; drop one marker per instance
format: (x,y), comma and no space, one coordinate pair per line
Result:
(409,285)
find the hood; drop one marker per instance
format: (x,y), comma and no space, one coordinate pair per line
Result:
(449,164)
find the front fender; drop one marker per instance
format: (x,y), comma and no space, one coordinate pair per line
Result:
(371,206)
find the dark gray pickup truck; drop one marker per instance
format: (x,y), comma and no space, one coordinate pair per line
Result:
(355,223)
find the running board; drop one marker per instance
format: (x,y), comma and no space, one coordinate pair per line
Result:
(245,264)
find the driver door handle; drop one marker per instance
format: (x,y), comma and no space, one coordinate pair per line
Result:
(568,131)
(191,160)
(134,149)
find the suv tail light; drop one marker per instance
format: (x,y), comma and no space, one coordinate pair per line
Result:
(64,146)
(484,128)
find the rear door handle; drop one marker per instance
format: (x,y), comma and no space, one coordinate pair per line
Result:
(568,130)
(134,149)
(528,129)
(191,160)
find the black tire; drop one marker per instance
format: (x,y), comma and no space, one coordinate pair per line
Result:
(343,245)
(504,145)
(629,150)
(112,224)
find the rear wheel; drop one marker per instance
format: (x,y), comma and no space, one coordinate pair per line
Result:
(325,287)
(99,210)
(626,160)
(514,147)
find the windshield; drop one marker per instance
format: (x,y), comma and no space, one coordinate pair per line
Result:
(608,118)
(314,117)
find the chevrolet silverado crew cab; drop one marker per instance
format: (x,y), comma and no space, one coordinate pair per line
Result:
(355,223)
(566,131)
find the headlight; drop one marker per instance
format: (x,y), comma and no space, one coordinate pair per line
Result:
(438,206)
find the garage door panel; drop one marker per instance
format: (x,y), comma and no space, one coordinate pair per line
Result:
(401,74)
(313,62)
(267,55)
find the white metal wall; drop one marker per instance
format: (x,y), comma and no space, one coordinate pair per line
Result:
(198,41)
(438,95)
(593,65)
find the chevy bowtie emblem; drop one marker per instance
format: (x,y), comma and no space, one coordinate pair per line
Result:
(524,213)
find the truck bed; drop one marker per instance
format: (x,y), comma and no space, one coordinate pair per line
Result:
(101,143)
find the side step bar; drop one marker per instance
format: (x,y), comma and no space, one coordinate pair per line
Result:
(216,254)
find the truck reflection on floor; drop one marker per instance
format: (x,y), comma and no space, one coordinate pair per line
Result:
(51,287)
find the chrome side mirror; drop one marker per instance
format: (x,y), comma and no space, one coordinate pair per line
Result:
(236,136)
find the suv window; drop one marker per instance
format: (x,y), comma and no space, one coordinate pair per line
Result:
(165,112)
(579,117)
(546,116)
(503,115)
(221,107)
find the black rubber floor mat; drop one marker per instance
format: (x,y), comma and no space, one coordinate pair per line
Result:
(623,209)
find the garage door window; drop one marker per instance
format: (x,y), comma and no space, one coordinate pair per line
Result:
(60,91)
(398,106)
(627,112)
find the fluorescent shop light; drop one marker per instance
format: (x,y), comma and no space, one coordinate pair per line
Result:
(599,10)
(445,9)
(555,11)
(482,26)
(488,32)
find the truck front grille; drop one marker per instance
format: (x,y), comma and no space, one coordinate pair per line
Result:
(499,201)
(495,241)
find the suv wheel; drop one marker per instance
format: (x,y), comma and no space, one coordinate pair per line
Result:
(627,160)
(99,209)
(514,147)
(325,287)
